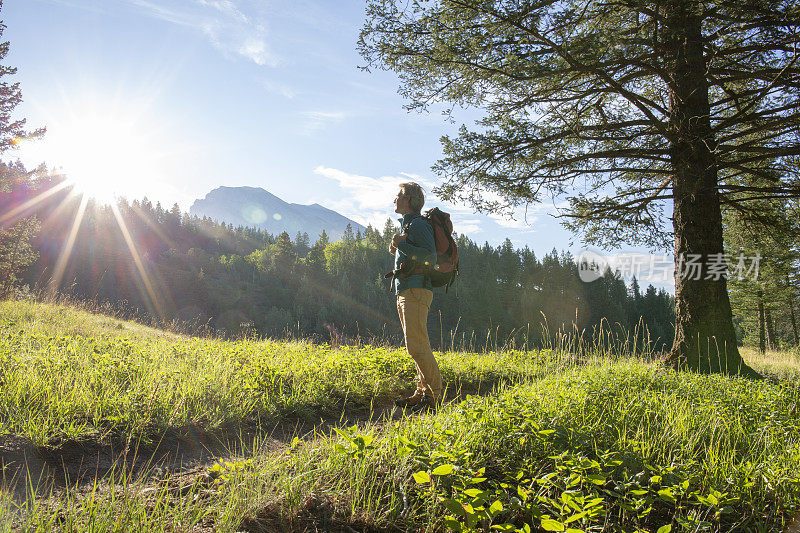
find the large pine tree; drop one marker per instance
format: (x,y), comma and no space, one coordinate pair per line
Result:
(636,110)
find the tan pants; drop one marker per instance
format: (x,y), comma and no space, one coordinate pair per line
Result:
(413,306)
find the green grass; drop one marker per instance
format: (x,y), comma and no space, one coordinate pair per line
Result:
(650,447)
(784,364)
(67,374)
(600,445)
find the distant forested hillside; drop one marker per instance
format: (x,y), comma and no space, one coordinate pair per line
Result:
(166,265)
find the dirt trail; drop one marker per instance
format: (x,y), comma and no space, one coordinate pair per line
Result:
(179,461)
(75,464)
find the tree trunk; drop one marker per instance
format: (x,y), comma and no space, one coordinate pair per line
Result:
(790,297)
(772,339)
(705,339)
(761,344)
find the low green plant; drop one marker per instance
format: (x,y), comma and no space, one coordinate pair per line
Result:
(555,442)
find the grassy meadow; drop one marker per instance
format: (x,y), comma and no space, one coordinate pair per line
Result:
(527,440)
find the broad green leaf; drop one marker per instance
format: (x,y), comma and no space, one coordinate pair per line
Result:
(422,477)
(665,529)
(454,506)
(453,524)
(597,479)
(666,495)
(549,524)
(593,502)
(495,508)
(443,470)
(576,516)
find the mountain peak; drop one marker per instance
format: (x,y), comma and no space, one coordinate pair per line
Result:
(257,207)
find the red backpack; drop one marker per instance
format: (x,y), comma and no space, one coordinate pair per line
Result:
(444,272)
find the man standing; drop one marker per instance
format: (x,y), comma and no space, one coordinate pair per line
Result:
(415,249)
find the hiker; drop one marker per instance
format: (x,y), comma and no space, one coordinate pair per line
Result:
(414,249)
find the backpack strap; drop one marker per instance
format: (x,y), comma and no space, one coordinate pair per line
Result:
(410,268)
(408,224)
(404,269)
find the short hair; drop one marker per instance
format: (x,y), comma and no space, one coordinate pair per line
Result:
(414,193)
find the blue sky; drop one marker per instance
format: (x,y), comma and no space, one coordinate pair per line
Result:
(172,98)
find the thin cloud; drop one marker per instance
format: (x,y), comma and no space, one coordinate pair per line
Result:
(318,120)
(279,88)
(257,51)
(466,226)
(226,7)
(223,22)
(514,223)
(374,217)
(427,184)
(163,13)
(369,200)
(467,229)
(366,192)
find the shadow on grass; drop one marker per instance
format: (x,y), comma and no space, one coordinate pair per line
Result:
(316,514)
(74,463)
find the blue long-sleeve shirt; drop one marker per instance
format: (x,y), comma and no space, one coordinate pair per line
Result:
(418,246)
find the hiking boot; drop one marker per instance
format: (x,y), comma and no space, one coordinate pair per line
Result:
(411,401)
(425,403)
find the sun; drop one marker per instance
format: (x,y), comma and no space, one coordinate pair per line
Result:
(105,152)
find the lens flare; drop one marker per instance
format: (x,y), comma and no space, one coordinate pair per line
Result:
(105,151)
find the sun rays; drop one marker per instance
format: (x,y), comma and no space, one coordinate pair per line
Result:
(133,232)
(66,251)
(19,211)
(108,144)
(70,195)
(149,294)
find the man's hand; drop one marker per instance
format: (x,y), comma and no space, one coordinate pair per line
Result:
(397,239)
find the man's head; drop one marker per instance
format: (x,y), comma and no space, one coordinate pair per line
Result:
(410,198)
